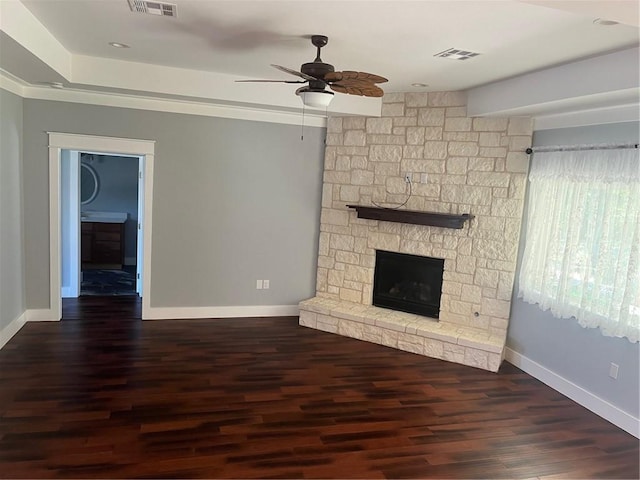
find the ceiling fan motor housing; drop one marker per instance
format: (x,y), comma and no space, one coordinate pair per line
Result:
(316,69)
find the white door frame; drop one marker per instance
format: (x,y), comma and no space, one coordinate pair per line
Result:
(72,245)
(106,145)
(141,225)
(71,228)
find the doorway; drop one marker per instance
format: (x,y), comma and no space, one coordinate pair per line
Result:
(102,224)
(59,145)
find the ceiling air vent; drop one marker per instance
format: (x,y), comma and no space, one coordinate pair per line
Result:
(456,54)
(153,8)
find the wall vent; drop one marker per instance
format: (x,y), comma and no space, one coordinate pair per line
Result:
(153,8)
(456,54)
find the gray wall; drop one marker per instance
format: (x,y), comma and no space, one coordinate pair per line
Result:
(234,201)
(117,192)
(578,354)
(12,300)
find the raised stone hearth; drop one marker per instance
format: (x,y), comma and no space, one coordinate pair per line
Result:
(404,331)
(460,167)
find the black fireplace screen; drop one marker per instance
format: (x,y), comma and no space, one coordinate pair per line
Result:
(408,283)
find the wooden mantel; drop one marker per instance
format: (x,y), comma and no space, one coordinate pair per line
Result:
(433,219)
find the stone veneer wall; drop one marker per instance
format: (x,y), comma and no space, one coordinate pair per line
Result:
(472,165)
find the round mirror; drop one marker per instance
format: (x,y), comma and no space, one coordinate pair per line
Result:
(88,184)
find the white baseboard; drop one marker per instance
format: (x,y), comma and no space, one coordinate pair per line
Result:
(163,313)
(41,315)
(10,330)
(597,405)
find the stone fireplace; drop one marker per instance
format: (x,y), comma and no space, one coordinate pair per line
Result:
(468,168)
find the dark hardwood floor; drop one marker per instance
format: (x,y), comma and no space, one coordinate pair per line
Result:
(102,394)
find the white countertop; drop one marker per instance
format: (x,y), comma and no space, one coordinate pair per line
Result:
(104,217)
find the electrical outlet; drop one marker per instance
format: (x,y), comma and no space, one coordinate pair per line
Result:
(259,284)
(265,284)
(423,178)
(407,177)
(613,370)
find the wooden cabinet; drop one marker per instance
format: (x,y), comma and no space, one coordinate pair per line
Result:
(102,244)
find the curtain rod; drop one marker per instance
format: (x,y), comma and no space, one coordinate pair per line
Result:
(560,148)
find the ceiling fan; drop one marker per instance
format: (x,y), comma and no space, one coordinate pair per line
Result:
(318,75)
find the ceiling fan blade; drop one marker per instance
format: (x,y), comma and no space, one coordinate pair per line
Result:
(351,76)
(294,72)
(274,81)
(361,88)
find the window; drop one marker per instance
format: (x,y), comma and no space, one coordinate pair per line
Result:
(582,247)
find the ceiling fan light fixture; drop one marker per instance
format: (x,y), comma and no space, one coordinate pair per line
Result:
(316,98)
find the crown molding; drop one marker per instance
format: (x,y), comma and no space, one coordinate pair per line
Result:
(8,83)
(159,104)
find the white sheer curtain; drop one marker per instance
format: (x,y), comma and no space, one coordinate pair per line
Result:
(582,245)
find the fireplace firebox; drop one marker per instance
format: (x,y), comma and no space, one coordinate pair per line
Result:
(408,283)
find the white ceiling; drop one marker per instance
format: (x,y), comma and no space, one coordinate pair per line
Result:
(214,42)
